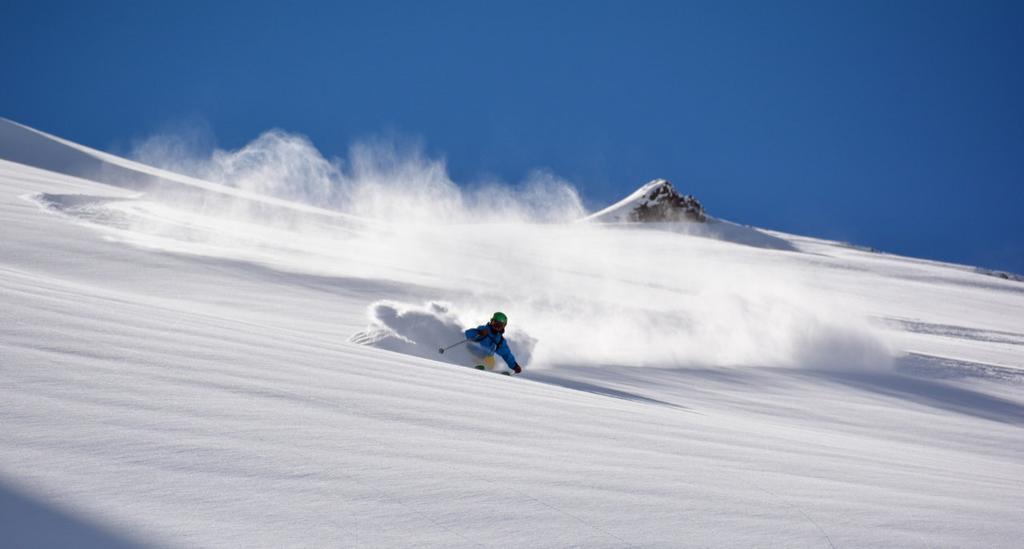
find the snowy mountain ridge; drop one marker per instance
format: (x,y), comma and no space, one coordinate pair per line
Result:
(185,364)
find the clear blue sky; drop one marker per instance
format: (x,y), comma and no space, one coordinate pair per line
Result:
(894,124)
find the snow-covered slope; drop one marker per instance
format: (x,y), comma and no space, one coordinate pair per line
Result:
(184,371)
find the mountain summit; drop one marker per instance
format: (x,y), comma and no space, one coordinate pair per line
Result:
(656,201)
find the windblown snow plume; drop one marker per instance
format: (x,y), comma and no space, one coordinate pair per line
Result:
(590,293)
(382,179)
(611,296)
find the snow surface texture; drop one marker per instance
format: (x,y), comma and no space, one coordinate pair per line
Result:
(181,366)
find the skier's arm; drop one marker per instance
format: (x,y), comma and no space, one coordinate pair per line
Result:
(506,353)
(476,334)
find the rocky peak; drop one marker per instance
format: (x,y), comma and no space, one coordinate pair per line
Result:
(662,202)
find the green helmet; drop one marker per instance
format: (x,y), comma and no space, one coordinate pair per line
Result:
(500,317)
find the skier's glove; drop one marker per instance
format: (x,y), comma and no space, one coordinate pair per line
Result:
(517,368)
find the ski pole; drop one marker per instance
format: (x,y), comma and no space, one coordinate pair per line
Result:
(443,349)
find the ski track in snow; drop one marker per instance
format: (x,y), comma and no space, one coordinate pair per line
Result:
(239,371)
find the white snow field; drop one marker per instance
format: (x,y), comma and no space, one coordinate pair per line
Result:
(190,364)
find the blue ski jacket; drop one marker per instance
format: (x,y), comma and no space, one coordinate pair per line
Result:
(492,343)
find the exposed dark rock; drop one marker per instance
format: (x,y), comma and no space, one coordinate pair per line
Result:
(663,203)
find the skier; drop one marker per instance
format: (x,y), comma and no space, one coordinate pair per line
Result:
(486,340)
